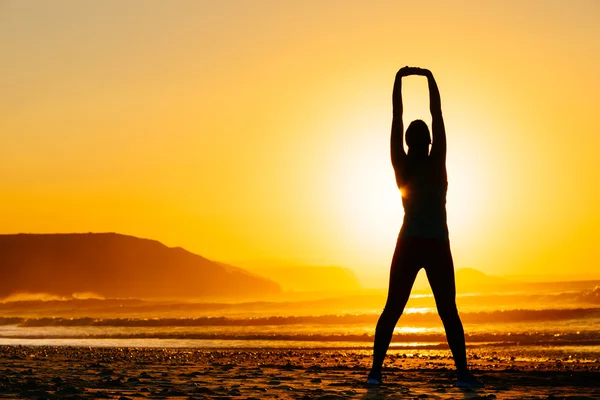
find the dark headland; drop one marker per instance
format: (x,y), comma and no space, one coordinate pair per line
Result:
(114,265)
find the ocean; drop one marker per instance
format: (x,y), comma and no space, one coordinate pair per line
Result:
(541,321)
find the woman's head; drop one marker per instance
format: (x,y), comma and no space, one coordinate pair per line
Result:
(417,136)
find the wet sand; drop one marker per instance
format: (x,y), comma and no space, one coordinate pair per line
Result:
(132,373)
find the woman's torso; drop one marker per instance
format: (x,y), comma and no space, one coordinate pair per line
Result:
(424,184)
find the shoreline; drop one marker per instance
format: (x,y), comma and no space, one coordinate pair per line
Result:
(592,347)
(116,372)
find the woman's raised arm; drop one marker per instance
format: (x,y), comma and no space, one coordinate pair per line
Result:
(397,138)
(438,145)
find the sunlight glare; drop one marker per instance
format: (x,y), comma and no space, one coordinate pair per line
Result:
(370,202)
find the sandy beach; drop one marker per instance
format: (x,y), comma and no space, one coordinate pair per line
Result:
(130,373)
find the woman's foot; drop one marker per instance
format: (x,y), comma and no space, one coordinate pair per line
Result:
(468,380)
(374,378)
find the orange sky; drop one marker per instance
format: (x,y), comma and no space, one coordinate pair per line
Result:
(257,132)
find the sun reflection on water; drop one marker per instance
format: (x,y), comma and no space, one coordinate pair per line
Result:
(418,310)
(414,329)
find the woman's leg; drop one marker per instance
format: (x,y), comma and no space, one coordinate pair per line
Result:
(440,273)
(403,271)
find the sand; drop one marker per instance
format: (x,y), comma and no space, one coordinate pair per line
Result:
(131,373)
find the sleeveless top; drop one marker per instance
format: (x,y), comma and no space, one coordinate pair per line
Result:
(424,188)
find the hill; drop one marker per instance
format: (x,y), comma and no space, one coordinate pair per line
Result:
(114,265)
(471,280)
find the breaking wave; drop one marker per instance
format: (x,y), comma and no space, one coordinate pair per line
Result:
(482,317)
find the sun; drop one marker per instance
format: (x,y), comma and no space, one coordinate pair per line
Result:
(370,204)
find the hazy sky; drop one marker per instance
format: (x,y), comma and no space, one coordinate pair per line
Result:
(258,131)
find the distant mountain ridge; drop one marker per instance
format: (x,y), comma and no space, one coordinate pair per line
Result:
(114,265)
(326,279)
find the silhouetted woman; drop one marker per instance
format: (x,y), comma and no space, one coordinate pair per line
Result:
(423,240)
